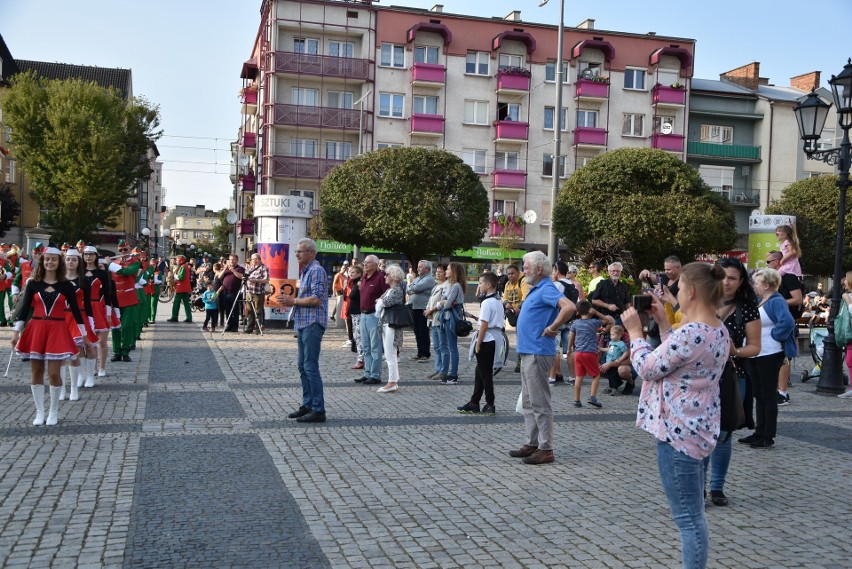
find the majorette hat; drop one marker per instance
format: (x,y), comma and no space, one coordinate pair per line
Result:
(49,250)
(122,243)
(65,246)
(39,248)
(80,243)
(90,249)
(72,253)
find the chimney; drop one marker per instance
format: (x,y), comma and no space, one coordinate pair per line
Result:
(437,8)
(807,82)
(513,16)
(587,24)
(747,76)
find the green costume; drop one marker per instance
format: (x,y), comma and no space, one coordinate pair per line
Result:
(124,339)
(181,275)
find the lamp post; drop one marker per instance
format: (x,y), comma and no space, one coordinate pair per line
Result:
(146,233)
(552,242)
(811,114)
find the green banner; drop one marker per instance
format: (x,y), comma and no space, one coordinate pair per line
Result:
(487,253)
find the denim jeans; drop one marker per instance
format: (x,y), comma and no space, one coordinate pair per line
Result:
(310,339)
(719,461)
(451,366)
(439,346)
(372,345)
(683,483)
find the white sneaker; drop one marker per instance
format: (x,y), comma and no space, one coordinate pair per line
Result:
(551,380)
(101,373)
(564,356)
(847,395)
(346,344)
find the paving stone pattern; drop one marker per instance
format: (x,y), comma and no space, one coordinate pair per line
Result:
(184,457)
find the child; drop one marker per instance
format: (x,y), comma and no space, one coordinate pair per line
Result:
(485,343)
(616,355)
(790,250)
(583,342)
(211,306)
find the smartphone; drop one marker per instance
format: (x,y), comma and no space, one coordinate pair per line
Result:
(641,302)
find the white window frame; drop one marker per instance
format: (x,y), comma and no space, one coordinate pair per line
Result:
(380,145)
(546,159)
(309,46)
(395,105)
(427,54)
(504,160)
(583,116)
(304,96)
(345,99)
(513,111)
(337,48)
(475,112)
(659,121)
(548,111)
(630,75)
(505,60)
(550,71)
(338,150)
(589,69)
(425,105)
(481,61)
(392,55)
(505,207)
(304,147)
(310,194)
(717,134)
(633,125)
(719,178)
(475,158)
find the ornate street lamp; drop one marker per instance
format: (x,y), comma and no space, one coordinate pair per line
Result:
(811,114)
(146,233)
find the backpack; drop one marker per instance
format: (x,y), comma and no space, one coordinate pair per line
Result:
(570,291)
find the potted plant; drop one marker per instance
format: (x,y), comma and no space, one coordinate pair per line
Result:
(600,79)
(519,71)
(677,85)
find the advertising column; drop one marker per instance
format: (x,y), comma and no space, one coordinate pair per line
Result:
(761,236)
(281,222)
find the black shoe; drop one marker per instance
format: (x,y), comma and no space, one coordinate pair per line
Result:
(361,379)
(300,412)
(763,443)
(116,358)
(718,497)
(172,320)
(125,358)
(749,439)
(468,408)
(231,330)
(451,380)
(372,381)
(190,321)
(312,417)
(782,400)
(488,410)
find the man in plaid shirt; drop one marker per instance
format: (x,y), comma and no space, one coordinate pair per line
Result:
(257,277)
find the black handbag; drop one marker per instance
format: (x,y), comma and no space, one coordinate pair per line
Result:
(732,414)
(397,316)
(463,326)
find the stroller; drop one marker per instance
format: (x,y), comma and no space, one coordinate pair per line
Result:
(817,338)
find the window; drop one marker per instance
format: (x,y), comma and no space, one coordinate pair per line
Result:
(633,125)
(545,212)
(505,207)
(380,145)
(198,222)
(303,193)
(391,104)
(424,105)
(826,140)
(303,147)
(475,158)
(588,119)
(341,48)
(506,161)
(507,60)
(392,55)
(634,79)
(306,45)
(664,125)
(717,134)
(426,54)
(476,112)
(338,150)
(340,99)
(508,112)
(719,178)
(550,72)
(477,63)
(302,96)
(668,77)
(547,165)
(588,70)
(549,118)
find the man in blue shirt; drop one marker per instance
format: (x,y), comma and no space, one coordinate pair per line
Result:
(310,315)
(545,310)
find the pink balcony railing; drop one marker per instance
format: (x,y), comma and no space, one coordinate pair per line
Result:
(587,88)
(246,227)
(508,81)
(247,183)
(512,130)
(589,135)
(670,142)
(669,95)
(320,117)
(427,124)
(295,167)
(249,97)
(250,139)
(429,73)
(346,67)
(509,179)
(512,228)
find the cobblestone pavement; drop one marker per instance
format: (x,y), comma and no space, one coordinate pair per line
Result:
(185,458)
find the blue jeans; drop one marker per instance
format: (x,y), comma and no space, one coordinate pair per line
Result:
(310,339)
(372,345)
(451,365)
(683,483)
(439,348)
(719,461)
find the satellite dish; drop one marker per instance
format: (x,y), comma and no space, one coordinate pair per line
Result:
(530,216)
(666,128)
(231,217)
(244,160)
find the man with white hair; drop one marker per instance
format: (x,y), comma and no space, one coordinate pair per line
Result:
(611,296)
(545,310)
(372,287)
(418,296)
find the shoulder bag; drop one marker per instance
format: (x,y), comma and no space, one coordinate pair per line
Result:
(397,316)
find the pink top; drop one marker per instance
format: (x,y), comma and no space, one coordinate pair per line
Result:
(679,403)
(791,266)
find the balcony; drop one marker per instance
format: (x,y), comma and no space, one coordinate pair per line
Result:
(427,125)
(249,142)
(246,227)
(298,167)
(739,197)
(428,75)
(247,183)
(589,90)
(585,135)
(511,228)
(512,131)
(669,96)
(736,152)
(513,81)
(669,142)
(509,179)
(318,117)
(321,65)
(249,97)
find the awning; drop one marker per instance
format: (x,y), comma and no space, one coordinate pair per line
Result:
(604,46)
(683,55)
(439,29)
(522,37)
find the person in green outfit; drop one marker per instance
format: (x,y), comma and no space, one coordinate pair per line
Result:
(124,271)
(183,287)
(152,291)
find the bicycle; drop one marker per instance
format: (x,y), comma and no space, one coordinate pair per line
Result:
(167,292)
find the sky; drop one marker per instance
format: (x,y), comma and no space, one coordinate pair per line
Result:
(186,55)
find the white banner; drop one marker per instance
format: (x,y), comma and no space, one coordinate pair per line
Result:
(283,206)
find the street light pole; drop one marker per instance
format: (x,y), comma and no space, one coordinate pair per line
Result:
(552,241)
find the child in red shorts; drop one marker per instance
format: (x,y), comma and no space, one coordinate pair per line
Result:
(583,342)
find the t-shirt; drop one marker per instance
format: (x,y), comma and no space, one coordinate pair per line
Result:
(586,335)
(541,308)
(209,297)
(789,283)
(615,351)
(491,311)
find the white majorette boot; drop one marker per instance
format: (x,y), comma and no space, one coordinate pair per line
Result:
(74,373)
(63,375)
(89,366)
(38,397)
(53,414)
(81,373)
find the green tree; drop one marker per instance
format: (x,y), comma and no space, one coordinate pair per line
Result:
(655,203)
(815,203)
(222,233)
(412,200)
(10,209)
(83,148)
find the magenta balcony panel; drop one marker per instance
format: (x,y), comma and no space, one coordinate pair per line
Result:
(513,130)
(320,117)
(249,97)
(509,179)
(512,81)
(296,167)
(429,72)
(587,88)
(512,228)
(250,139)
(246,227)
(670,142)
(309,64)
(669,95)
(427,124)
(588,135)
(247,183)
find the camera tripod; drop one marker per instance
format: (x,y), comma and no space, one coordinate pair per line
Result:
(246,298)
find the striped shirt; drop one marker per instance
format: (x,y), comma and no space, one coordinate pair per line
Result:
(314,283)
